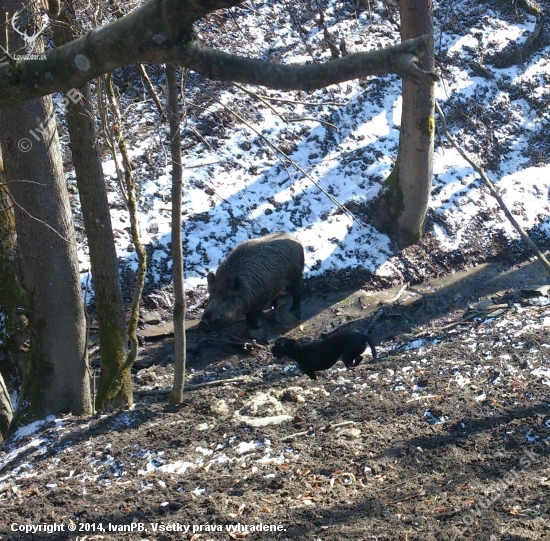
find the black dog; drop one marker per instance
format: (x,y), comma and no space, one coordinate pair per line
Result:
(324,353)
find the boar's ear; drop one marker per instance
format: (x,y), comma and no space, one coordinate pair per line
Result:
(236,283)
(210,278)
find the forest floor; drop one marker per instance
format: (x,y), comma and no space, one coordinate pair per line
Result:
(446,437)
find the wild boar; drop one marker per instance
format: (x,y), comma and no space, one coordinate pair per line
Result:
(324,353)
(254,274)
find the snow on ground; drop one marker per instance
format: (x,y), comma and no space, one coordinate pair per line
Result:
(237,187)
(504,362)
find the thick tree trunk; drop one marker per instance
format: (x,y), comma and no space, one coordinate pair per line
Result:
(177,251)
(58,376)
(97,221)
(404,202)
(10,290)
(13,360)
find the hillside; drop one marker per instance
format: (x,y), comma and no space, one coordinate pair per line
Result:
(447,436)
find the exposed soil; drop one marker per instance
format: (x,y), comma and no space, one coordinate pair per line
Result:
(446,437)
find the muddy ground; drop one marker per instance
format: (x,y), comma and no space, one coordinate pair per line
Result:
(446,437)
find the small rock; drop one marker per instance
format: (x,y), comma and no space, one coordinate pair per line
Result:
(150,318)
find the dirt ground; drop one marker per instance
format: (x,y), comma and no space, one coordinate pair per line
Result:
(446,437)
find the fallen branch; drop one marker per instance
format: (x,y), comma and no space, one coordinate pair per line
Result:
(426,397)
(526,48)
(527,239)
(246,346)
(378,314)
(217,383)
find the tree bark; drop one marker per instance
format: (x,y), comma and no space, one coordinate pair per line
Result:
(14,367)
(404,201)
(112,387)
(58,379)
(10,298)
(99,231)
(6,409)
(177,250)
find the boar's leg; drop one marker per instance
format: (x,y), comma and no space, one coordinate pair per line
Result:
(252,318)
(295,289)
(372,348)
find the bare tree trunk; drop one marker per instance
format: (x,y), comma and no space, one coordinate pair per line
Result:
(6,410)
(58,377)
(404,201)
(14,368)
(10,288)
(129,186)
(177,250)
(97,221)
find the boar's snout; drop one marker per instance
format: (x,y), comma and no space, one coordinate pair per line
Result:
(215,318)
(204,325)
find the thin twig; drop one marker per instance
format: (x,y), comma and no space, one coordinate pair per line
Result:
(279,153)
(309,119)
(151,89)
(40,221)
(313,103)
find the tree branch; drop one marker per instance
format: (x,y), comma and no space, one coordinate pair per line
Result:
(161,32)
(400,59)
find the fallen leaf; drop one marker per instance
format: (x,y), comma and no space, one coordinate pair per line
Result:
(497,404)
